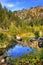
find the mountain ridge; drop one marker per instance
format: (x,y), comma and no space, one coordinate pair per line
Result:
(29,14)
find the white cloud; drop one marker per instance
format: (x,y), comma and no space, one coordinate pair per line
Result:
(10,5)
(4,3)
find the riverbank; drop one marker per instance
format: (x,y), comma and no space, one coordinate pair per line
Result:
(33,58)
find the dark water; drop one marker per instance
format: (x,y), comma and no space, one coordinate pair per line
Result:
(19,50)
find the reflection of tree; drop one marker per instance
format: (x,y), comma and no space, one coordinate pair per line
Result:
(10,44)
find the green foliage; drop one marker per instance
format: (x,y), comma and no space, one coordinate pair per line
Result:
(8,17)
(33,58)
(36,34)
(2,36)
(27,27)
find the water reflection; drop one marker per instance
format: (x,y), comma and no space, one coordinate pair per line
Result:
(19,50)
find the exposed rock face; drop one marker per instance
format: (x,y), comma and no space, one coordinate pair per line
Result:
(40,42)
(34,44)
(30,14)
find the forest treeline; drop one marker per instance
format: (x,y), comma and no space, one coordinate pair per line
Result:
(26,23)
(7,17)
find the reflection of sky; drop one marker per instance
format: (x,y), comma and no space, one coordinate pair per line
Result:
(20,4)
(19,50)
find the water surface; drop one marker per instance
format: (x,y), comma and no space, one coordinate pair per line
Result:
(19,50)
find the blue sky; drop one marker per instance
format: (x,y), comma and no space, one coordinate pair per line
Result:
(20,4)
